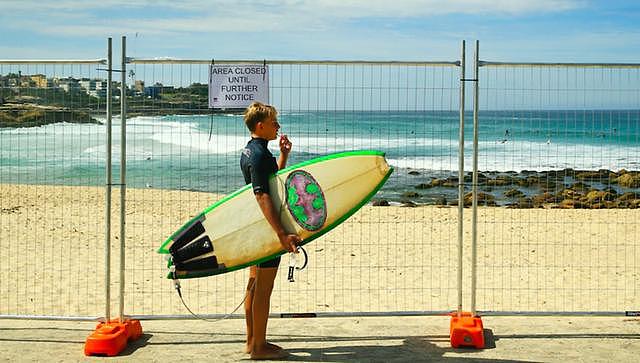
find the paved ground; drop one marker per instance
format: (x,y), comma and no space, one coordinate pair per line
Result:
(407,339)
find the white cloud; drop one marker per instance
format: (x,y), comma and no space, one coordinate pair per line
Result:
(333,8)
(83,18)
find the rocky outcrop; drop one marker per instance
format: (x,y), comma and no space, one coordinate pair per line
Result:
(30,115)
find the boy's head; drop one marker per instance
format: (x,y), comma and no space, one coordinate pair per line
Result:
(258,112)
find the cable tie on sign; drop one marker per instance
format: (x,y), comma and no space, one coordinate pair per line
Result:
(109,70)
(213,62)
(264,68)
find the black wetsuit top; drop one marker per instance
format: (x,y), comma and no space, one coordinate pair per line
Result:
(258,164)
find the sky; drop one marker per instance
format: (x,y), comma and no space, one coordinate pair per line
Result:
(508,30)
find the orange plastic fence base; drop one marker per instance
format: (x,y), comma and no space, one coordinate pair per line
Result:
(466,330)
(111,338)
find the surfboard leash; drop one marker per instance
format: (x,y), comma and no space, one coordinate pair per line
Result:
(176,285)
(292,263)
(292,267)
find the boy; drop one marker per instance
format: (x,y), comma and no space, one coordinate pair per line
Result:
(258,164)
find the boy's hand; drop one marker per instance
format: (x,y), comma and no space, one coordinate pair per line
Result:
(290,242)
(285,144)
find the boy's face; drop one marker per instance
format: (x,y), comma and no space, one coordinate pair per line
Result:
(269,128)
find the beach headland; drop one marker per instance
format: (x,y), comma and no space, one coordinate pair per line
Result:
(31,115)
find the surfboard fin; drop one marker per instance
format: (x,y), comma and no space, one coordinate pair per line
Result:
(206,263)
(188,235)
(192,250)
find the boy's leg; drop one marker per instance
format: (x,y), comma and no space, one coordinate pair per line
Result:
(248,303)
(265,276)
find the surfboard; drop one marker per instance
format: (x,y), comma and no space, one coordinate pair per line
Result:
(311,197)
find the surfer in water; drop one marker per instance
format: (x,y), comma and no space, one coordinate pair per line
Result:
(258,164)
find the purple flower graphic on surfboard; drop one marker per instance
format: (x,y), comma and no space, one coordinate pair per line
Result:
(305,200)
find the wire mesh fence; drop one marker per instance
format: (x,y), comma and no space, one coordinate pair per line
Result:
(559,185)
(52,143)
(383,259)
(559,146)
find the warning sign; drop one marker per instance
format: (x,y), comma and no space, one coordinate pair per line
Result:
(237,85)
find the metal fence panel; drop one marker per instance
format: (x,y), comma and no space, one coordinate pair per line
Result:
(383,259)
(51,203)
(559,147)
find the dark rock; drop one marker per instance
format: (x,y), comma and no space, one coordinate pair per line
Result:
(503,180)
(513,193)
(579,187)
(408,203)
(525,203)
(545,198)
(629,196)
(483,199)
(571,204)
(595,176)
(449,182)
(413,172)
(440,201)
(629,180)
(482,178)
(528,181)
(380,203)
(570,194)
(410,195)
(596,196)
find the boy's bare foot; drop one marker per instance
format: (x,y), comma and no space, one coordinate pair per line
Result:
(247,348)
(269,351)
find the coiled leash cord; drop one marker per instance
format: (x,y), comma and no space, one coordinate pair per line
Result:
(176,285)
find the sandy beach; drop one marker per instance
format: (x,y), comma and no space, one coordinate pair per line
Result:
(382,259)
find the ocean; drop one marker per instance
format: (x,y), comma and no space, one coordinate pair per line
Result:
(201,152)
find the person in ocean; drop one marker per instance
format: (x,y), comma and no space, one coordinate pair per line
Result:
(258,164)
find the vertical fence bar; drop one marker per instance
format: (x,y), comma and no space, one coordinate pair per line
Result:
(123,167)
(461,176)
(107,216)
(474,216)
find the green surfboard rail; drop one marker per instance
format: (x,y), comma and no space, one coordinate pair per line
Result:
(164,250)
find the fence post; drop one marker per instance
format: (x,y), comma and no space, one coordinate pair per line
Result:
(461,177)
(474,215)
(123,167)
(466,328)
(107,216)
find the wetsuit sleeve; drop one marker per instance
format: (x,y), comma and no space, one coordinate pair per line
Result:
(260,173)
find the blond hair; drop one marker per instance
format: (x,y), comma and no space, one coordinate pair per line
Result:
(257,112)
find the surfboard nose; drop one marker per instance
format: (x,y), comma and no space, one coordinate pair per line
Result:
(383,165)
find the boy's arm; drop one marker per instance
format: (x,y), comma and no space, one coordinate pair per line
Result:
(287,240)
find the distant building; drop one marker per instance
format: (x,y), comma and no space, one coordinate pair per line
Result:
(70,85)
(156,90)
(94,87)
(40,81)
(139,86)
